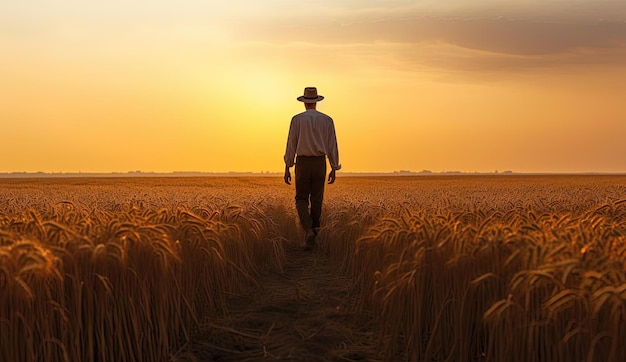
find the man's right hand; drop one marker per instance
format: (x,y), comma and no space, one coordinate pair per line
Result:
(287,176)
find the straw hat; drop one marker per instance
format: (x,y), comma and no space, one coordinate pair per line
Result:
(310,95)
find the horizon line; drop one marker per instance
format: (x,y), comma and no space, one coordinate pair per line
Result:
(41,174)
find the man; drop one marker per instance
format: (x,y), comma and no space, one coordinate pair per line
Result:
(312,138)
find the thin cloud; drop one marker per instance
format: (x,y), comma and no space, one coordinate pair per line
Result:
(530,40)
(501,35)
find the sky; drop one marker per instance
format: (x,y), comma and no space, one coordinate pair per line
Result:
(194,85)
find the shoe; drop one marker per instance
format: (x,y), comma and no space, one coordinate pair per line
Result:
(309,240)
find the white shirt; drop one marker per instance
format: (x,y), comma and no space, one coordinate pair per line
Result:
(312,133)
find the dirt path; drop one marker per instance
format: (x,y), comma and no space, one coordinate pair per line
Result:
(298,315)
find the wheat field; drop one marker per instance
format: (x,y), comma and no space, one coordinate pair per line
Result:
(443,268)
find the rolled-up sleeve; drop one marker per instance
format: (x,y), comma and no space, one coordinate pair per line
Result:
(333,149)
(292,143)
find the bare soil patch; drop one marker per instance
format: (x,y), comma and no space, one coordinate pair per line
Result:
(301,314)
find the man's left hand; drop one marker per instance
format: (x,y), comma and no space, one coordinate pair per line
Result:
(331,177)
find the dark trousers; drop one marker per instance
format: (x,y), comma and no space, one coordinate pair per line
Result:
(310,179)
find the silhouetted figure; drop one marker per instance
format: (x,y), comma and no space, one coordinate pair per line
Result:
(311,137)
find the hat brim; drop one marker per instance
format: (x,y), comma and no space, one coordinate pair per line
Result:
(310,100)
